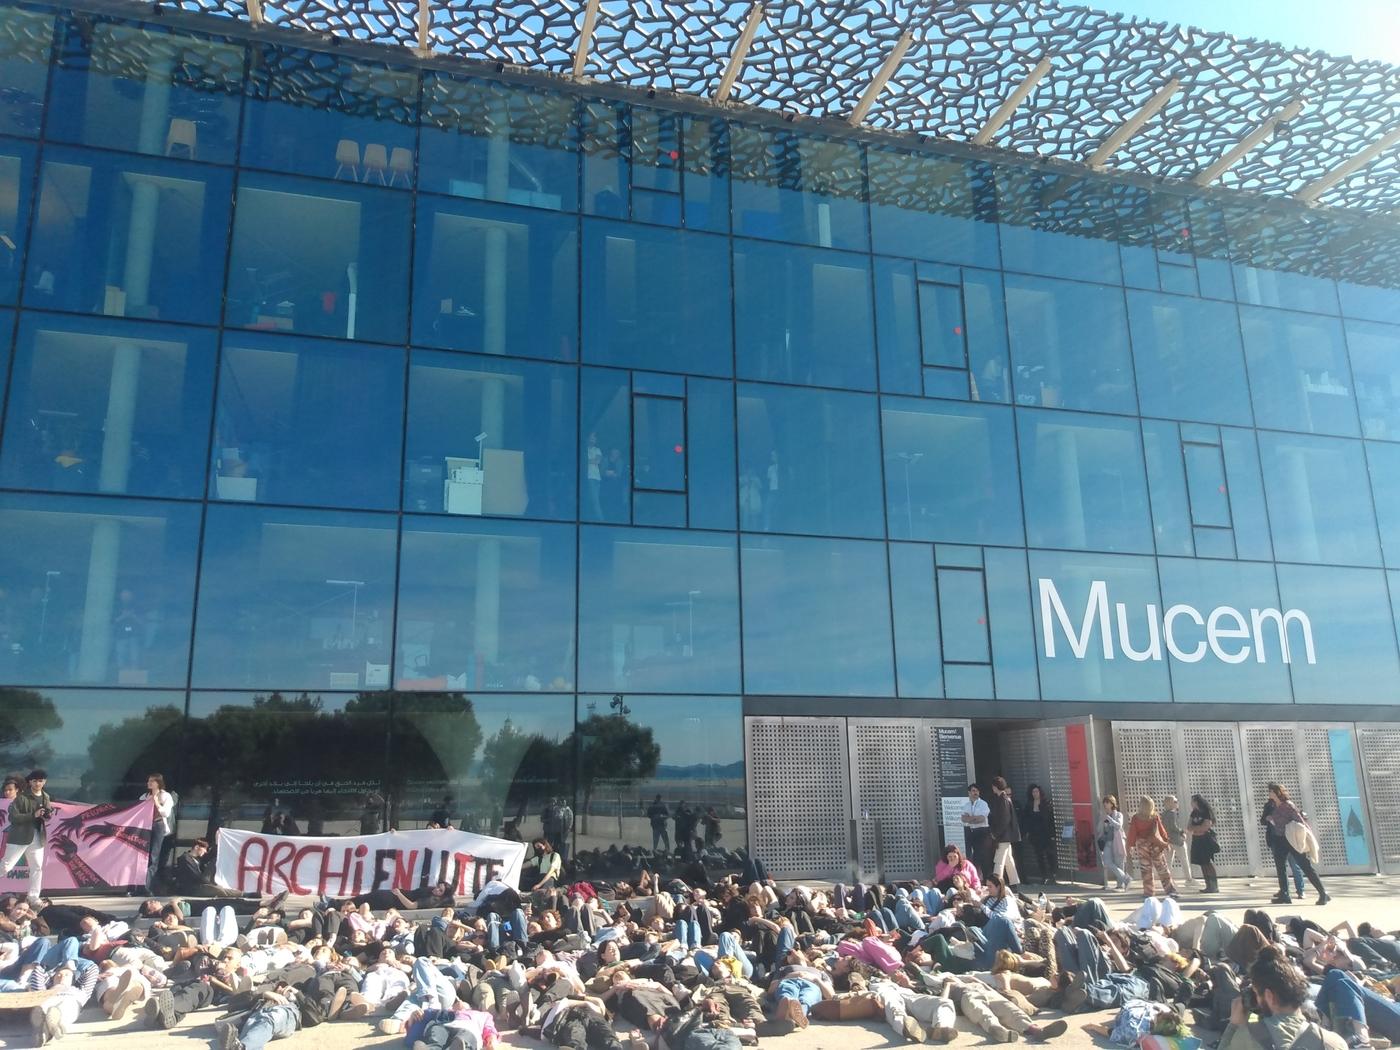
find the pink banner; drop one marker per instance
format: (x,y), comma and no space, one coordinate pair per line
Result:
(94,849)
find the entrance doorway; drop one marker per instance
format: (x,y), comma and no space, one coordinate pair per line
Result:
(854,798)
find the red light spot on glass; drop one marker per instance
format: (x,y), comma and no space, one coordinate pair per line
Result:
(675,154)
(957,329)
(679,449)
(981,620)
(1222,488)
(1186,233)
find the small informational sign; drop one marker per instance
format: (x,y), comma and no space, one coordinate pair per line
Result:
(953,831)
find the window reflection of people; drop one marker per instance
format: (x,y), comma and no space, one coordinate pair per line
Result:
(593,465)
(770,501)
(128,627)
(750,500)
(658,813)
(615,486)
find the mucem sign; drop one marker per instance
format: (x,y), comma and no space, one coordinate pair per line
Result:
(1228,634)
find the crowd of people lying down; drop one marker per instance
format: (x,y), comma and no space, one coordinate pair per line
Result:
(661,962)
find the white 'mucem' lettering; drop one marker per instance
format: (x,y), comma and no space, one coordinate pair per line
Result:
(1225,629)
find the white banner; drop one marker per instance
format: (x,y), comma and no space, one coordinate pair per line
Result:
(349,865)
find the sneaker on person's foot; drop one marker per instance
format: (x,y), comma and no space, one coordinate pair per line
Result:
(1281,898)
(1039,1033)
(774,1028)
(1324,898)
(999,1034)
(125,1001)
(791,1010)
(914,1031)
(943,1034)
(337,1003)
(1073,998)
(47,1024)
(226,1036)
(160,1011)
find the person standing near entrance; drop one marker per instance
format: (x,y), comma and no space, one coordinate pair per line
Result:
(1176,836)
(974,817)
(1204,842)
(1113,847)
(30,812)
(1282,818)
(1006,832)
(1147,839)
(1038,829)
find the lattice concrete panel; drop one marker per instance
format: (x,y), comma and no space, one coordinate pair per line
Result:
(1146,764)
(1061,793)
(1325,814)
(799,801)
(1212,770)
(886,787)
(1380,756)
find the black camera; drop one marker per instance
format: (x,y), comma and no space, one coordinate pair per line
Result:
(1251,1001)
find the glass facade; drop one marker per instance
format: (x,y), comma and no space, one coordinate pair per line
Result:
(506,432)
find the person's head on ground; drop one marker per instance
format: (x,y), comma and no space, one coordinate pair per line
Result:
(1280,986)
(1147,808)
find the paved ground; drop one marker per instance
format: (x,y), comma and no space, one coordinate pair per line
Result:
(1356,898)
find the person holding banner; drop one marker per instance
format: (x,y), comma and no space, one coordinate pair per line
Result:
(164,803)
(30,812)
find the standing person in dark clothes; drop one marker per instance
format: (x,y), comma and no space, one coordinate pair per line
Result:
(30,812)
(1039,833)
(1200,826)
(658,814)
(1283,814)
(1006,832)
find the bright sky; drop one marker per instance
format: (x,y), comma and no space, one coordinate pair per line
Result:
(1364,29)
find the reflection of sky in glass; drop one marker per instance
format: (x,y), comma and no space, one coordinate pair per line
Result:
(692,731)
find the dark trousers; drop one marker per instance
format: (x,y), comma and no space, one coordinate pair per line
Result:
(1282,851)
(191,996)
(584,1030)
(980,848)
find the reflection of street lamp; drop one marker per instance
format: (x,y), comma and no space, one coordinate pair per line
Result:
(619,705)
(689,604)
(480,444)
(908,459)
(354,586)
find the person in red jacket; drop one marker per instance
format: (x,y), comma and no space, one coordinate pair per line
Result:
(1147,837)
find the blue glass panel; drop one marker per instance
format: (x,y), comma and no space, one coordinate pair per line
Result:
(897,327)
(1216,278)
(605,432)
(1201,433)
(1046,224)
(1246,484)
(809,461)
(658,611)
(932,208)
(495,280)
(294,599)
(914,600)
(1013,633)
(1353,639)
(1280,288)
(129,237)
(283,433)
(942,325)
(1082,482)
(1319,499)
(658,443)
(649,299)
(1069,345)
(950,472)
(705,180)
(108,406)
(795,187)
(485,605)
(952,554)
(1190,364)
(1077,625)
(1298,372)
(1140,267)
(319,258)
(1375,364)
(24,68)
(321,114)
(969,682)
(1166,483)
(1370,302)
(1179,279)
(606,142)
(710,425)
(802,315)
(816,617)
(985,307)
(666,509)
(657,165)
(946,383)
(16,190)
(1231,666)
(658,383)
(962,598)
(499,142)
(146,89)
(516,417)
(1383,461)
(1214,543)
(1205,482)
(96,591)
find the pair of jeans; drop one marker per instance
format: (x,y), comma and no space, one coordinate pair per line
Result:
(267,1023)
(1284,854)
(731,947)
(688,933)
(992,938)
(218,927)
(432,987)
(35,854)
(516,930)
(805,992)
(905,917)
(1342,995)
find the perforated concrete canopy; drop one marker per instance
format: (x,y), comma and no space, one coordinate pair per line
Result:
(1028,76)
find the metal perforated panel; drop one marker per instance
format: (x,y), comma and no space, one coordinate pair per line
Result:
(1270,754)
(1146,763)
(799,800)
(885,787)
(1380,759)
(1212,765)
(1325,814)
(1061,793)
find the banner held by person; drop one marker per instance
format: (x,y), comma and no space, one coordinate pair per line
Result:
(93,848)
(349,865)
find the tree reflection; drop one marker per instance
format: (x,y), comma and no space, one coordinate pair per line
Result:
(26,716)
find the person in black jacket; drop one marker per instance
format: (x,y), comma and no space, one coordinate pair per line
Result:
(30,812)
(1038,832)
(1005,832)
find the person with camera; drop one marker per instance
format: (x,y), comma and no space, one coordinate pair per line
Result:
(1275,990)
(30,812)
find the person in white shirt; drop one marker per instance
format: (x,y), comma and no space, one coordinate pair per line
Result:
(975,812)
(161,822)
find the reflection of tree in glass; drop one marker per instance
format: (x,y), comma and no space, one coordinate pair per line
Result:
(435,739)
(519,769)
(613,750)
(26,716)
(122,754)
